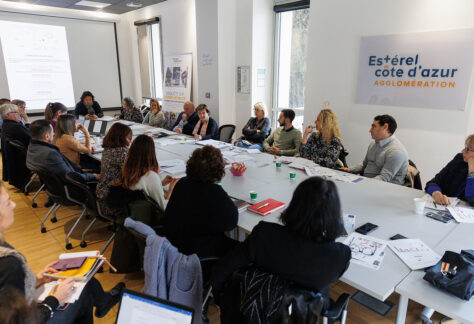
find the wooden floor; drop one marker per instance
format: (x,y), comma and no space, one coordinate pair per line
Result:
(42,248)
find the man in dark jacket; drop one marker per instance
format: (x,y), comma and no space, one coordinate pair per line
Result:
(43,156)
(188,127)
(12,128)
(88,107)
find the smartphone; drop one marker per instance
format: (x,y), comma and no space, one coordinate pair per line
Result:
(366,228)
(398,237)
(440,216)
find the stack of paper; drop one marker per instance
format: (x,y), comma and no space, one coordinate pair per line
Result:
(366,250)
(432,205)
(415,253)
(332,174)
(214,143)
(300,164)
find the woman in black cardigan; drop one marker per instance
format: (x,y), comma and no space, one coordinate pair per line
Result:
(199,210)
(302,250)
(16,275)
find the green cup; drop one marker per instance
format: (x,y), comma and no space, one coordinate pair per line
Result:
(292,175)
(253,195)
(219,182)
(278,164)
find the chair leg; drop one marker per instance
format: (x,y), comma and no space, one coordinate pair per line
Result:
(43,229)
(33,204)
(33,177)
(108,243)
(69,245)
(54,219)
(344,316)
(83,241)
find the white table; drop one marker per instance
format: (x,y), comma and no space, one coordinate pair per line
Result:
(414,287)
(384,204)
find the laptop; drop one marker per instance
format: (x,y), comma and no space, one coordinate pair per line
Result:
(97,127)
(139,308)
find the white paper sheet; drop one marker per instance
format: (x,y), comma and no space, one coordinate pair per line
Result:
(431,205)
(214,143)
(416,254)
(366,250)
(253,151)
(462,214)
(43,291)
(97,126)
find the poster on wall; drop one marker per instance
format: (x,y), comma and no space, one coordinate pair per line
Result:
(177,81)
(428,70)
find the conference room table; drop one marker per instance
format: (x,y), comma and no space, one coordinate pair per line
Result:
(387,205)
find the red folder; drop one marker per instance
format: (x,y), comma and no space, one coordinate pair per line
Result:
(266,207)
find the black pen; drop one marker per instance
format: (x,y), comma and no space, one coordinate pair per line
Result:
(436,206)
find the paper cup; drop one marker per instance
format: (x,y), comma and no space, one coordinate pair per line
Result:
(253,195)
(292,175)
(419,205)
(278,164)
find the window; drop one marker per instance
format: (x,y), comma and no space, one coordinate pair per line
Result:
(150,57)
(291,43)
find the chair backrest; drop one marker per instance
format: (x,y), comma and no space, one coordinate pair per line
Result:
(226,132)
(55,187)
(267,298)
(413,176)
(17,145)
(342,156)
(78,191)
(18,174)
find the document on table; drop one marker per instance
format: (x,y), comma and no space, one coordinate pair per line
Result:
(253,151)
(366,250)
(301,164)
(164,141)
(106,118)
(214,143)
(462,214)
(97,126)
(416,254)
(430,203)
(174,166)
(332,174)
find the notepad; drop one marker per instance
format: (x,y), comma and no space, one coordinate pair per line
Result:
(266,207)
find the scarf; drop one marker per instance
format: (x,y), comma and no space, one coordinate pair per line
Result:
(30,278)
(203,129)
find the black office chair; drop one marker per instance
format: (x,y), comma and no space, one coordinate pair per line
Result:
(226,132)
(252,294)
(342,156)
(89,202)
(18,174)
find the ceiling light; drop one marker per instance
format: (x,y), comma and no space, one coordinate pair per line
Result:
(92,4)
(132,4)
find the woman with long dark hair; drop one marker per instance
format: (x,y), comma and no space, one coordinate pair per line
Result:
(53,111)
(302,249)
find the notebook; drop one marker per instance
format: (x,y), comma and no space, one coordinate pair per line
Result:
(140,308)
(266,207)
(240,204)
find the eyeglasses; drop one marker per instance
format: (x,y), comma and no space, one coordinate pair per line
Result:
(467,149)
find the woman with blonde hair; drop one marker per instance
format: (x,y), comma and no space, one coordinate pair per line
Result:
(324,146)
(155,117)
(256,129)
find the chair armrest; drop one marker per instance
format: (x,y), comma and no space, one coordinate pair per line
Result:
(337,308)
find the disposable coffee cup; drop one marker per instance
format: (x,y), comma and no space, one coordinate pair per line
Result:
(253,195)
(292,175)
(278,164)
(419,205)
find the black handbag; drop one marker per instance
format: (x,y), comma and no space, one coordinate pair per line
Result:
(460,282)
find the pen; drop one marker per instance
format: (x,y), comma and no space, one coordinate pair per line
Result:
(264,205)
(436,206)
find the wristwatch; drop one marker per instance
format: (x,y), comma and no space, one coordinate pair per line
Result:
(470,175)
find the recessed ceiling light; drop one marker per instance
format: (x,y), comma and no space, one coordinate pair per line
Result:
(132,4)
(92,4)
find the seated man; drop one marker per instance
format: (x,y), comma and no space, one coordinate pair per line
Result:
(12,128)
(386,158)
(43,156)
(191,119)
(286,139)
(456,179)
(88,107)
(22,110)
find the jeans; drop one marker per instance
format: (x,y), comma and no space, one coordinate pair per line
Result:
(257,146)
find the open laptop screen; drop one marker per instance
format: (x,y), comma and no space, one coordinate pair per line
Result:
(138,308)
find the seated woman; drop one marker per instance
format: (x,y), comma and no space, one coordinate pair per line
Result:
(115,144)
(130,112)
(53,111)
(140,172)
(206,127)
(256,129)
(303,249)
(324,146)
(456,179)
(200,211)
(15,274)
(68,145)
(155,116)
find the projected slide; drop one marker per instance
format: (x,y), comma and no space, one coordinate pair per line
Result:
(37,63)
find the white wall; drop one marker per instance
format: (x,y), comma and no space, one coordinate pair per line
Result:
(178,29)
(431,136)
